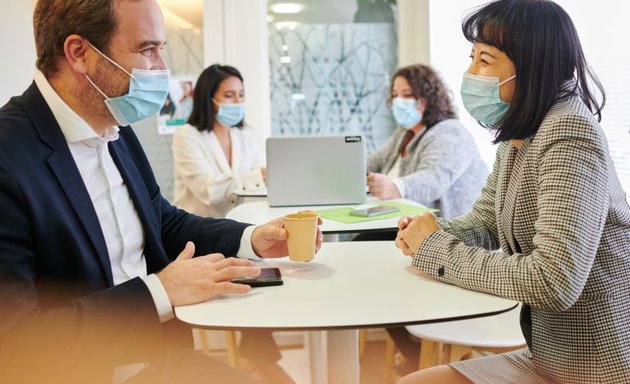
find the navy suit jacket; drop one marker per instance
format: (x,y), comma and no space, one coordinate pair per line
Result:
(56,290)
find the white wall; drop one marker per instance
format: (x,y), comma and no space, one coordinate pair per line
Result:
(450,53)
(17,46)
(600,29)
(413,32)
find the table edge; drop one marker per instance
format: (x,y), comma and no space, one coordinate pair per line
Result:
(349,327)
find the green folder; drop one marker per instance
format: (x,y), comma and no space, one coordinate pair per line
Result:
(342,214)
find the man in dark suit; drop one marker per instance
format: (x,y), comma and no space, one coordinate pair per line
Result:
(92,257)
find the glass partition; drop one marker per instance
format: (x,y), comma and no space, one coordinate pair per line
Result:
(330,70)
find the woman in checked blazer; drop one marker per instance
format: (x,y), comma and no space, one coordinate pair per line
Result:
(552,226)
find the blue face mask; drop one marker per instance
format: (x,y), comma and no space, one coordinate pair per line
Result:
(480,95)
(406,112)
(147,92)
(230,114)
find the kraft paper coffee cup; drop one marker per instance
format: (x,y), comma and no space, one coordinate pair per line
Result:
(302,233)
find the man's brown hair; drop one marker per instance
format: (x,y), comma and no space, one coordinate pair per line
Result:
(55,20)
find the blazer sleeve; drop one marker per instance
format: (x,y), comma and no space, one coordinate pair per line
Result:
(571,199)
(209,235)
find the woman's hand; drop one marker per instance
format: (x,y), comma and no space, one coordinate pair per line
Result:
(382,187)
(263,173)
(413,231)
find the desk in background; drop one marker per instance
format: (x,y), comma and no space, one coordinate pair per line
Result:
(247,195)
(349,285)
(259,212)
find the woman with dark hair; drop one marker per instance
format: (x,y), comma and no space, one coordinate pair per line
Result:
(431,158)
(213,155)
(552,226)
(213,158)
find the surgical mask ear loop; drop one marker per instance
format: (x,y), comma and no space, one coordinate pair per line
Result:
(96,87)
(507,80)
(109,59)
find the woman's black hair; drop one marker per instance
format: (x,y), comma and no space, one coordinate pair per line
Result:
(542,42)
(428,86)
(203,115)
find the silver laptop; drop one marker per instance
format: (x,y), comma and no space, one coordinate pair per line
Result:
(315,170)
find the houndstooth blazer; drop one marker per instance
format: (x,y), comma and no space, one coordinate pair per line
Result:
(551,229)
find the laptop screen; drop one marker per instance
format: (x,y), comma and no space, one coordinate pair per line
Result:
(315,170)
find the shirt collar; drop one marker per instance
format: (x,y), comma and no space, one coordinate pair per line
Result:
(74,128)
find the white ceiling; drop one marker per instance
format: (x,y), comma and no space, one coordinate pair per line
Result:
(316,11)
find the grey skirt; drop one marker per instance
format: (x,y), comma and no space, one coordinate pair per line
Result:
(514,367)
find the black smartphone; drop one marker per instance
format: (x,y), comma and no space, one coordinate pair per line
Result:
(268,276)
(374,211)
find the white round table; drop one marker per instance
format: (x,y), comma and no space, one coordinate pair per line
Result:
(349,285)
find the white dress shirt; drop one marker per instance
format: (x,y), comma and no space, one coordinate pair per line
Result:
(117,215)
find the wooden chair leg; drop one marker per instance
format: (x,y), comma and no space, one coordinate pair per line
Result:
(203,339)
(430,353)
(232,350)
(390,351)
(457,352)
(446,354)
(438,354)
(362,340)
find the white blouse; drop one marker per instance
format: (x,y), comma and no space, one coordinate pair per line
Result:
(204,180)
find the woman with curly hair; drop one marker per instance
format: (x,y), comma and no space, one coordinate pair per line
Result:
(432,159)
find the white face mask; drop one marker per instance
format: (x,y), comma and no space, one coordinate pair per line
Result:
(480,95)
(230,114)
(405,111)
(146,96)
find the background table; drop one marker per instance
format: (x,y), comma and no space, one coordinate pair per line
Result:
(259,212)
(349,285)
(249,195)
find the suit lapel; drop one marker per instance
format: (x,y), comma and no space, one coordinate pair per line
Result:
(65,170)
(154,254)
(503,181)
(511,187)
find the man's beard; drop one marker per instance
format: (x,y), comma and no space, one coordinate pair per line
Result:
(112,81)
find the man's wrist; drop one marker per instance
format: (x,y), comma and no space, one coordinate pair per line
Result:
(160,297)
(246,250)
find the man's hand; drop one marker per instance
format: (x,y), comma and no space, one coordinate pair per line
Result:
(382,187)
(413,231)
(189,280)
(270,239)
